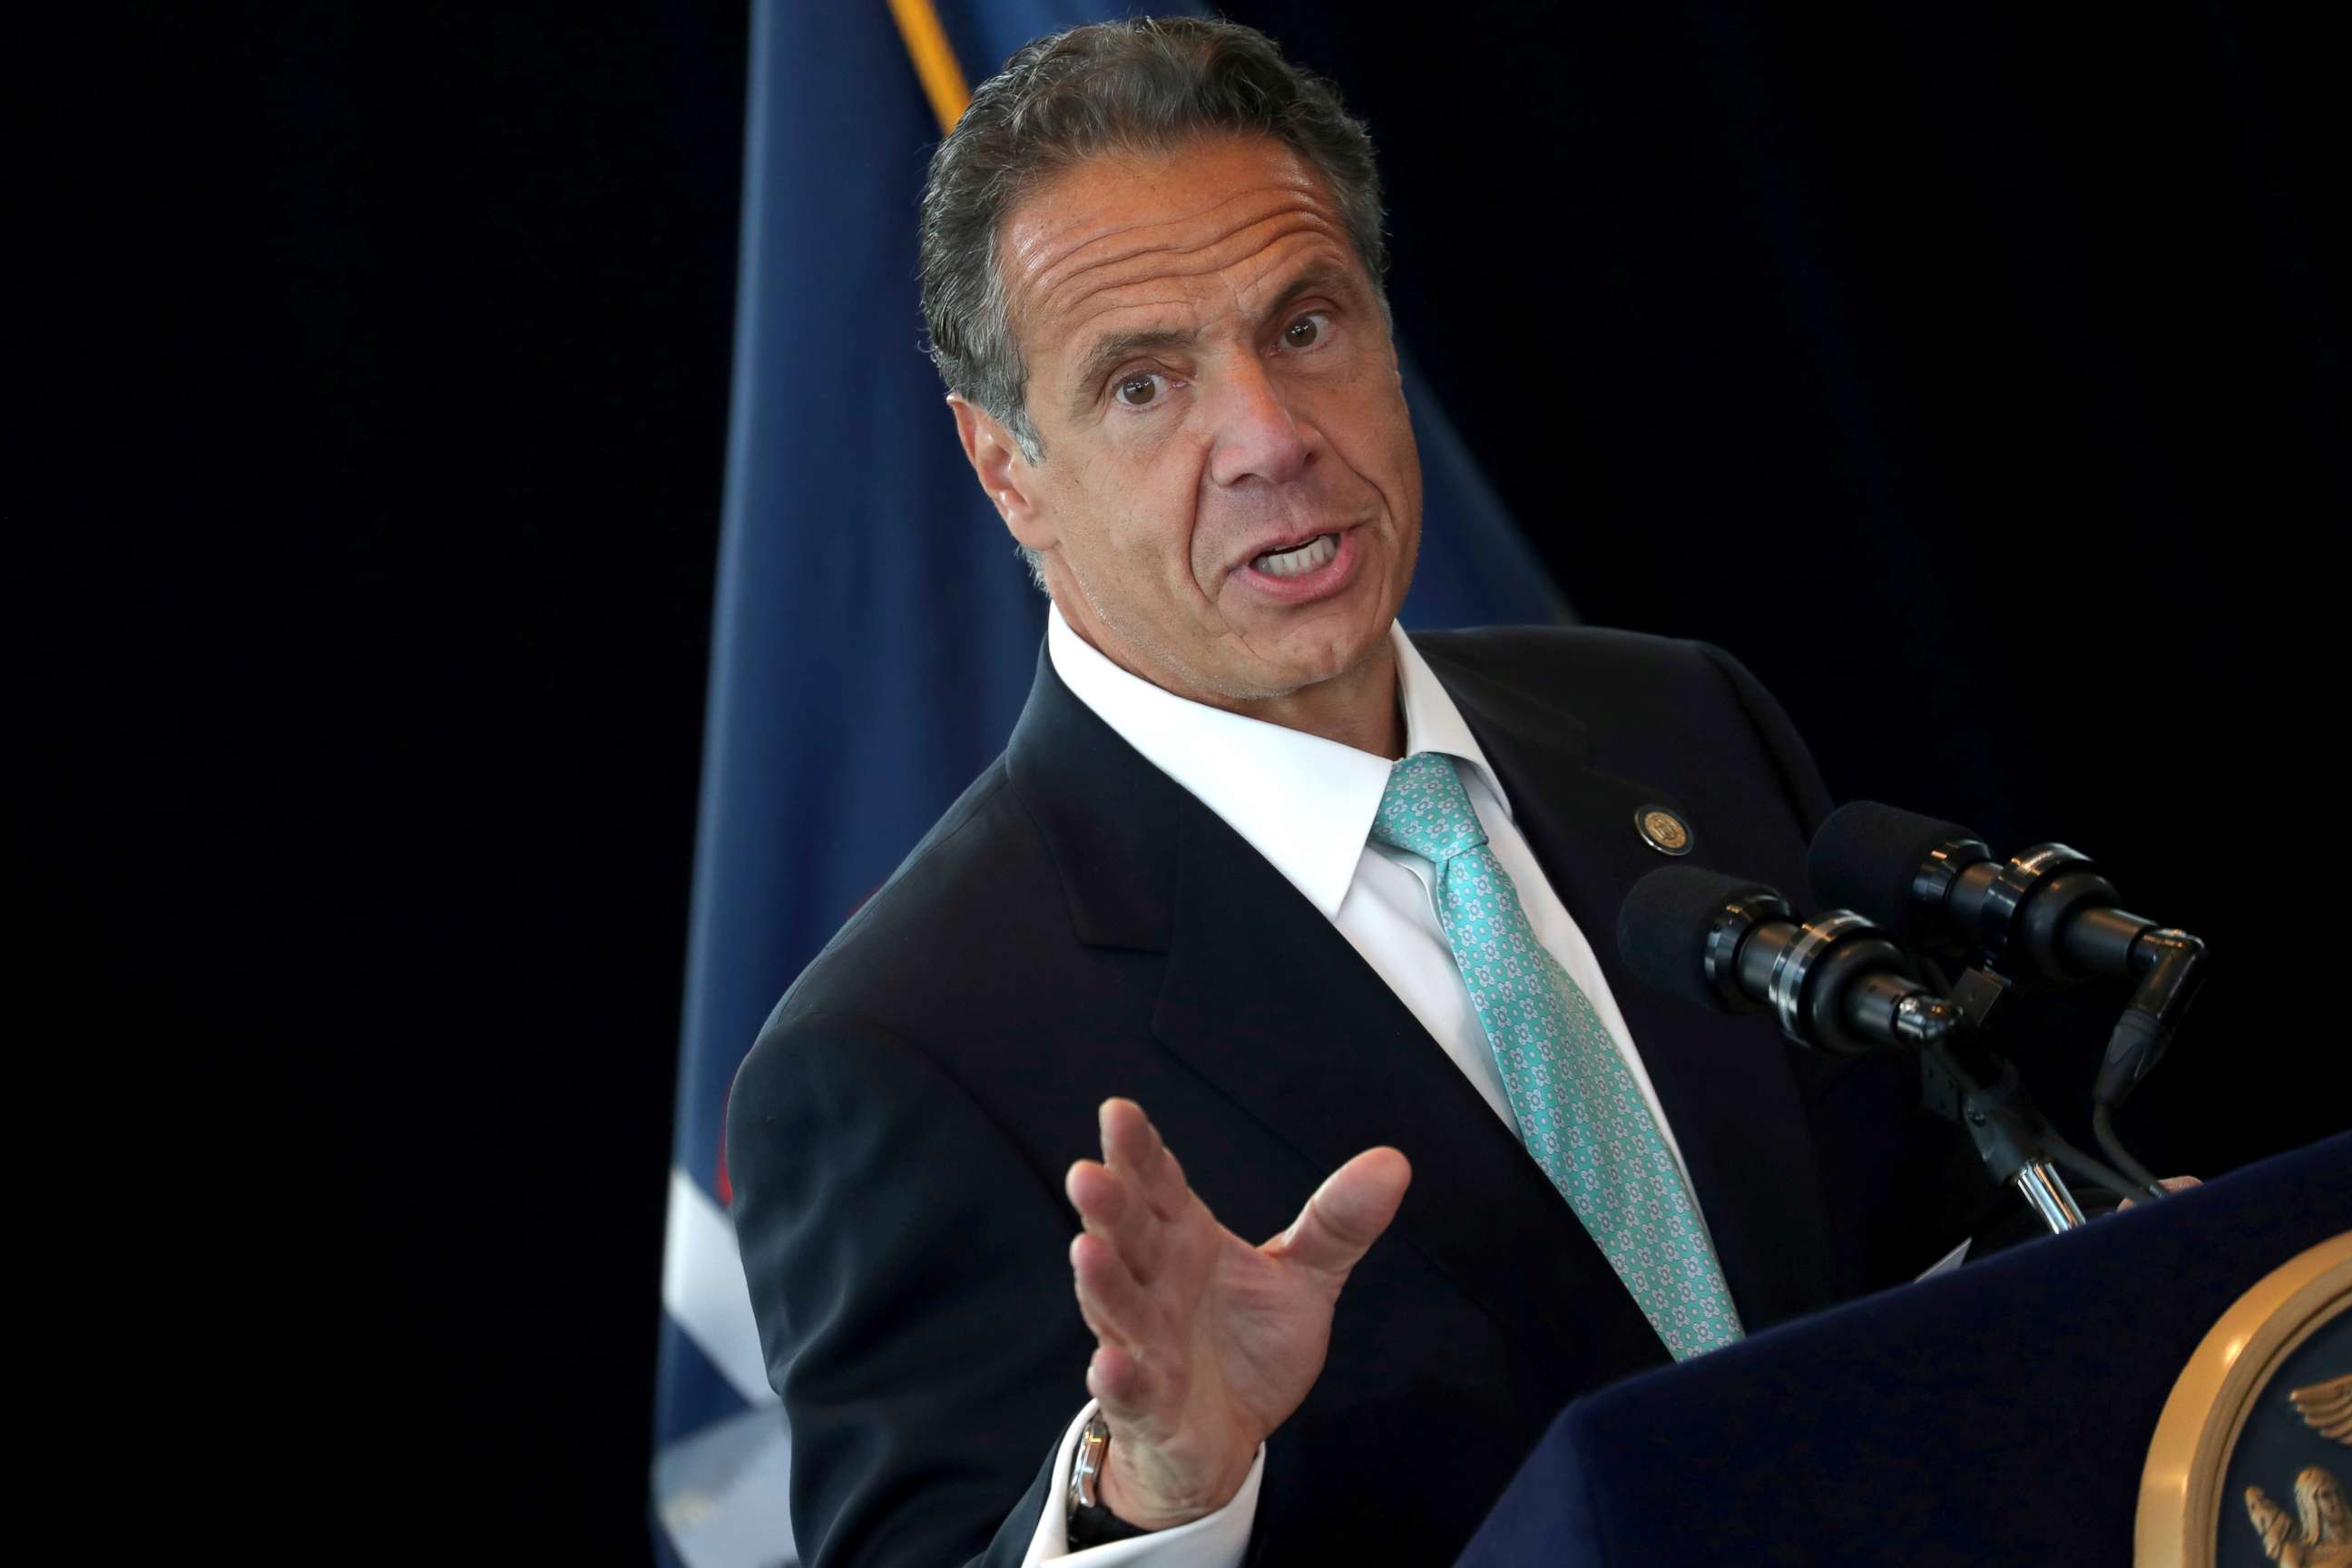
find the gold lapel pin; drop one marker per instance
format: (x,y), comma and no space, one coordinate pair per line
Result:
(1661,830)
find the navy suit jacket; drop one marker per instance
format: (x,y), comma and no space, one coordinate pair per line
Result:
(1078,926)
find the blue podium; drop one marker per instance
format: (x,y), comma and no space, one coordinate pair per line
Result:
(2000,1414)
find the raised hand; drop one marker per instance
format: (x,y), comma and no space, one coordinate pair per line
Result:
(1205,1344)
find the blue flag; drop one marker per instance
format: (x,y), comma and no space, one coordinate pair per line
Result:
(874,637)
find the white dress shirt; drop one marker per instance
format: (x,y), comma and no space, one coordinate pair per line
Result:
(1306,805)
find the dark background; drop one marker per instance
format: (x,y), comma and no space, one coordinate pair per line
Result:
(1978,379)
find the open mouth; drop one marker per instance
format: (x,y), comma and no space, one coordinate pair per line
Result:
(1299,559)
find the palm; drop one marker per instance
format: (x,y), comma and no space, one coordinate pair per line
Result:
(1207,1342)
(1259,1325)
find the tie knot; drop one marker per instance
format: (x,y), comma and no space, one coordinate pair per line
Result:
(1425,811)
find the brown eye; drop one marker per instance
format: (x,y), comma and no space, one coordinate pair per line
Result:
(1304,332)
(1137,391)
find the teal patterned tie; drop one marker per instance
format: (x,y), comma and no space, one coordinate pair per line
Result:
(1579,1111)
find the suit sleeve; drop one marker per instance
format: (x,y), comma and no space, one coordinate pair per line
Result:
(909,1274)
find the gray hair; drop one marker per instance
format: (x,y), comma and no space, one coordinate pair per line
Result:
(1148,85)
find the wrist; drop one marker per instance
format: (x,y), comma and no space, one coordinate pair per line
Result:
(1090,1522)
(1136,1504)
(1138,1484)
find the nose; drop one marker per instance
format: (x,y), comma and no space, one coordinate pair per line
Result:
(1257,436)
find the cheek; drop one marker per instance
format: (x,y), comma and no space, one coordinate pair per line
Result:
(1398,469)
(1157,499)
(1139,507)
(1396,451)
(1368,427)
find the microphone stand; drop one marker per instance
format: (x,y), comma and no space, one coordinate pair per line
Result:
(1970,1084)
(2012,1137)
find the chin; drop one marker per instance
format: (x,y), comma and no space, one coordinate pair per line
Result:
(1322,653)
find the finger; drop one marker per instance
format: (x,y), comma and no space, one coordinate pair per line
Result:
(1108,1208)
(1113,1301)
(1103,1333)
(1096,1193)
(1125,1387)
(1131,1145)
(1347,1214)
(2169,1184)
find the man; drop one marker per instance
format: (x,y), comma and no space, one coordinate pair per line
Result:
(1261,883)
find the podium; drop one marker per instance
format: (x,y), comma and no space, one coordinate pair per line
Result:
(1999,1414)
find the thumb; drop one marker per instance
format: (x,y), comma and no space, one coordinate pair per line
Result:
(1347,1214)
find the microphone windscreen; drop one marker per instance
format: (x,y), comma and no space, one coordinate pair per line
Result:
(1663,925)
(1864,858)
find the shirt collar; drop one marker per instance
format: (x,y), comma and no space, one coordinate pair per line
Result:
(1305,803)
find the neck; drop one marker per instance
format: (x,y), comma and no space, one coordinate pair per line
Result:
(1356,707)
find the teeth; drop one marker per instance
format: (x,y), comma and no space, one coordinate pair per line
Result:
(1304,559)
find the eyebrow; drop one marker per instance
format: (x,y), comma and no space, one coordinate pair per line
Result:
(1109,351)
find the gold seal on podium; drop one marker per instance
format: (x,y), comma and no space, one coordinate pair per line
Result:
(2263,1408)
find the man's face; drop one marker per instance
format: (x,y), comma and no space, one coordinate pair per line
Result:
(1229,497)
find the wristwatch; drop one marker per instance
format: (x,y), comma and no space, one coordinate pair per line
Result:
(1090,1523)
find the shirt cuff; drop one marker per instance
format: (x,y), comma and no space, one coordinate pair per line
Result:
(1216,1539)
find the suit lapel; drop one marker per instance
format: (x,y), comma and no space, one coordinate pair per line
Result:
(1724,1083)
(1333,1064)
(1264,999)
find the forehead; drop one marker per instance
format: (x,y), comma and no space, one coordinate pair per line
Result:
(1213,226)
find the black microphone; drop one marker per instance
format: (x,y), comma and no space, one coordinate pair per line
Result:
(2048,913)
(1834,984)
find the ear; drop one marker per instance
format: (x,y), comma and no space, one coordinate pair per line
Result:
(1003,473)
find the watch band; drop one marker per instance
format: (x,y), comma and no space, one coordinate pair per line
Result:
(1090,1523)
